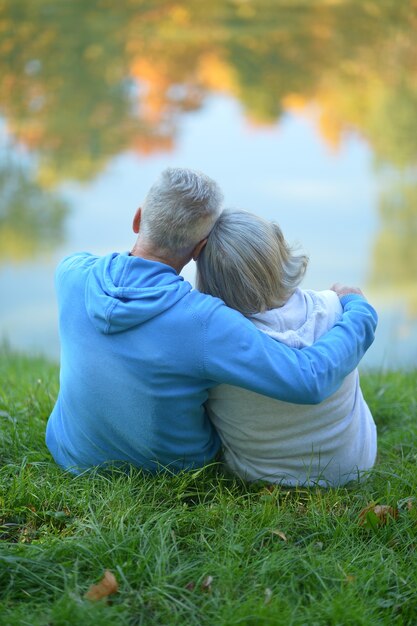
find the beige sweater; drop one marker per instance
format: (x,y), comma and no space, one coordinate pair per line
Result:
(327,444)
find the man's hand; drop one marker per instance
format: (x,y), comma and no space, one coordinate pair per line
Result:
(342,290)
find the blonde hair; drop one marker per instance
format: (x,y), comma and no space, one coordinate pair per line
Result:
(248,264)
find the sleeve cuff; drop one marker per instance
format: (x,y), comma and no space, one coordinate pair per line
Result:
(349,297)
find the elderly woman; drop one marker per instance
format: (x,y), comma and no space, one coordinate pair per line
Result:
(248,264)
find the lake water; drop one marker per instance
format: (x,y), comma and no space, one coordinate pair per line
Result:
(296,114)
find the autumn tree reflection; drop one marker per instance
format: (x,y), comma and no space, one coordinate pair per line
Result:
(63,85)
(30,218)
(82,81)
(394,264)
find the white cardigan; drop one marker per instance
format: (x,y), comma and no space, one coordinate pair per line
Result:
(327,444)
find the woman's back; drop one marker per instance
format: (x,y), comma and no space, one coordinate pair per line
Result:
(249,265)
(326,444)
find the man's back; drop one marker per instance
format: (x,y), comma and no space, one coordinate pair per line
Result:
(130,383)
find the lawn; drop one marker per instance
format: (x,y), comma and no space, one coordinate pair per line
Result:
(201,548)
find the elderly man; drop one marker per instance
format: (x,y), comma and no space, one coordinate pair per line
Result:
(140,348)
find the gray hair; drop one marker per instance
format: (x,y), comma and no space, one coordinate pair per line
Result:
(248,264)
(180,210)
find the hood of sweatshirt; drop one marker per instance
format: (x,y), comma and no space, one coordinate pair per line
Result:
(302,319)
(123,291)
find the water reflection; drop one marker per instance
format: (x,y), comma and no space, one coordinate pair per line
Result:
(83,82)
(30,218)
(394,259)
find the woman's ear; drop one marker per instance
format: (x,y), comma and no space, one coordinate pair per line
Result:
(197,250)
(136,220)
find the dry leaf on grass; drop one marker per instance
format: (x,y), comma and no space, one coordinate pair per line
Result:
(206,584)
(106,587)
(190,586)
(408,503)
(377,515)
(280,534)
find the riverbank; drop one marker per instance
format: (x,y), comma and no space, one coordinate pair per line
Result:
(200,548)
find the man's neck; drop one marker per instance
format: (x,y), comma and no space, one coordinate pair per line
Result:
(145,252)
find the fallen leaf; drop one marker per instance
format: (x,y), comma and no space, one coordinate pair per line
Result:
(26,534)
(206,584)
(407,503)
(377,515)
(106,586)
(350,579)
(301,508)
(280,534)
(383,511)
(190,586)
(268,595)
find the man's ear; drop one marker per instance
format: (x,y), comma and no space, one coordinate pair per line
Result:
(197,250)
(136,220)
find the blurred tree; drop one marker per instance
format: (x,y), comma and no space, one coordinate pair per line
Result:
(83,81)
(31,219)
(394,263)
(63,84)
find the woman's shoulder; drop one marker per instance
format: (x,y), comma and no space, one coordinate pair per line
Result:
(326,301)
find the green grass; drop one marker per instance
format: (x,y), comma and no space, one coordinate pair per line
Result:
(162,536)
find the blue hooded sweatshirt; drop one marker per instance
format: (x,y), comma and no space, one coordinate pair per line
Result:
(140,348)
